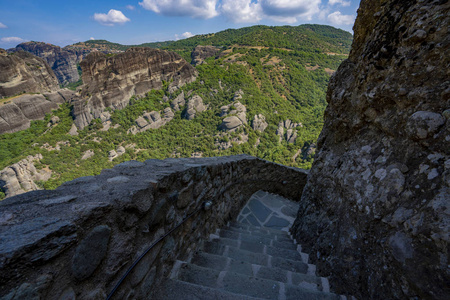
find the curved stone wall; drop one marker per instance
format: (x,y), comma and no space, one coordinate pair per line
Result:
(78,240)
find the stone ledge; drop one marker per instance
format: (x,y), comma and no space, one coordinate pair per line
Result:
(138,202)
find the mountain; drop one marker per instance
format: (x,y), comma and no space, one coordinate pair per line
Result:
(22,72)
(63,62)
(259,90)
(110,81)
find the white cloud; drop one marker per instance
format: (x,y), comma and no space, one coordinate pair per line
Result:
(290,10)
(113,17)
(287,11)
(185,35)
(340,2)
(3,25)
(241,11)
(337,18)
(202,9)
(12,39)
(91,38)
(130,7)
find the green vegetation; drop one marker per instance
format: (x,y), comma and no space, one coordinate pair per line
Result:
(273,78)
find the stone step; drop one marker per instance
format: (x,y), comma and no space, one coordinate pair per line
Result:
(252,228)
(254,246)
(182,290)
(260,240)
(247,285)
(221,263)
(214,247)
(236,233)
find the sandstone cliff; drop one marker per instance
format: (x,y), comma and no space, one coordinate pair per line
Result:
(375,210)
(20,177)
(22,72)
(110,81)
(16,114)
(62,61)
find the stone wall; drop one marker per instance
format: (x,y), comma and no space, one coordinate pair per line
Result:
(78,240)
(375,212)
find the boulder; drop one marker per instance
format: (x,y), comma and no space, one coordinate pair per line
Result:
(195,105)
(230,123)
(259,123)
(73,130)
(87,154)
(178,102)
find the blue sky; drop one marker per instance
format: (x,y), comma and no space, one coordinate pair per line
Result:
(134,22)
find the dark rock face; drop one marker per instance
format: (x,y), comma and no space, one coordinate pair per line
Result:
(375,210)
(201,53)
(111,81)
(22,72)
(90,252)
(62,61)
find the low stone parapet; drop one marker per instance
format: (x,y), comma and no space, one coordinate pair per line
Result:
(78,241)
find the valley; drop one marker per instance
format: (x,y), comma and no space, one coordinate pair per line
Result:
(258,90)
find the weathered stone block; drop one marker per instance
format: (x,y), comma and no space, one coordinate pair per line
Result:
(90,252)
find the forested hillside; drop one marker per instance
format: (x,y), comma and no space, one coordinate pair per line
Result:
(279,74)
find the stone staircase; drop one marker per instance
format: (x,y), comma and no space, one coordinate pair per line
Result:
(249,261)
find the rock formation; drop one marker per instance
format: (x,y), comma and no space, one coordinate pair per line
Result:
(259,123)
(22,72)
(178,102)
(237,116)
(111,81)
(291,131)
(195,105)
(17,113)
(152,120)
(20,177)
(62,61)
(201,53)
(375,210)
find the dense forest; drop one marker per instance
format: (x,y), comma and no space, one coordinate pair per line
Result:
(280,72)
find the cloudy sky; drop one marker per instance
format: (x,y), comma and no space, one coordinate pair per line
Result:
(134,22)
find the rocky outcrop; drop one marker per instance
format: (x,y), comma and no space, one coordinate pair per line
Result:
(201,53)
(62,61)
(113,154)
(376,207)
(152,120)
(194,106)
(259,123)
(79,240)
(22,72)
(237,116)
(17,114)
(178,102)
(111,81)
(291,131)
(21,177)
(224,141)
